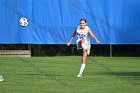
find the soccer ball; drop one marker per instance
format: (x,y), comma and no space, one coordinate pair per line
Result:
(23,22)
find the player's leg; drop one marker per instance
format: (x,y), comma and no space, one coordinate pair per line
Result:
(84,46)
(83,64)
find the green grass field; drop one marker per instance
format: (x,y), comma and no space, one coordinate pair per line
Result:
(58,75)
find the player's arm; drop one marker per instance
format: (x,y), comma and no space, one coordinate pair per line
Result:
(73,35)
(93,36)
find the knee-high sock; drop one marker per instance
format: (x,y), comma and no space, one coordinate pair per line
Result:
(82,68)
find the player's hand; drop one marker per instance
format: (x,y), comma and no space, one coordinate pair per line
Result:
(68,43)
(98,42)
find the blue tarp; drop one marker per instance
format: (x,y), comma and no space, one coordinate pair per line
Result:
(54,21)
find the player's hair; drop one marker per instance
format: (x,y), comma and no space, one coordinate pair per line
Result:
(83,19)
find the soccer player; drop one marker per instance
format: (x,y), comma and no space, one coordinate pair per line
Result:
(83,42)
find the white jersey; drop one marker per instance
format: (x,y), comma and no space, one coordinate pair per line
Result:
(83,34)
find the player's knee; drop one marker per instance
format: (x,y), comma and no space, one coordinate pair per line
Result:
(84,46)
(82,41)
(84,56)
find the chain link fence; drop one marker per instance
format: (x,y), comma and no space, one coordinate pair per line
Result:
(64,50)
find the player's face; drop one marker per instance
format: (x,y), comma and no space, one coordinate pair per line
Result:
(82,24)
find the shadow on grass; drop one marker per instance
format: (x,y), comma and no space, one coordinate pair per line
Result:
(124,73)
(130,77)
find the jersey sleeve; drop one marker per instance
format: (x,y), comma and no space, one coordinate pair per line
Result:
(87,28)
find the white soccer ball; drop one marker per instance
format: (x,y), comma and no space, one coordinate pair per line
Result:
(23,22)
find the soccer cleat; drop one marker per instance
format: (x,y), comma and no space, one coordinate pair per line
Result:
(79,75)
(1,78)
